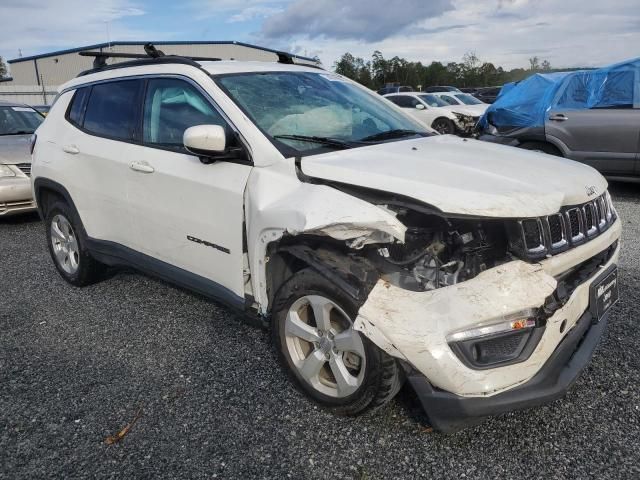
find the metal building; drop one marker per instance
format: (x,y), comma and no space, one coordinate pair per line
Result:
(44,73)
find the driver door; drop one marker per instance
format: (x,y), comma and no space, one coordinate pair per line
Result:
(187,215)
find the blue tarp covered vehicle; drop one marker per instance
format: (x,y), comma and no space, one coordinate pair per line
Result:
(592,116)
(526,103)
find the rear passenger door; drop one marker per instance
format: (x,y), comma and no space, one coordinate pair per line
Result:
(104,118)
(186,214)
(604,136)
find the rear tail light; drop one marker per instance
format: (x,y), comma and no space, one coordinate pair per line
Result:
(34,137)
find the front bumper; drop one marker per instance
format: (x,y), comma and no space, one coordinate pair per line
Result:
(449,412)
(16,196)
(414,326)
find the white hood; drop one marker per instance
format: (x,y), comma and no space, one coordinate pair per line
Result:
(463,176)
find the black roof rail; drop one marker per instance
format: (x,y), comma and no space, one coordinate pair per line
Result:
(154,56)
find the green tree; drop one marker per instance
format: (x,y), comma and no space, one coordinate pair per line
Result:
(3,68)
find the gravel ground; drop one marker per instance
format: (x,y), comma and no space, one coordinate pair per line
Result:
(77,365)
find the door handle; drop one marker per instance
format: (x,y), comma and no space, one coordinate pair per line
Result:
(141,167)
(72,149)
(558,117)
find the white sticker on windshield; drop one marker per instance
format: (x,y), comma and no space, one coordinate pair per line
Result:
(22,109)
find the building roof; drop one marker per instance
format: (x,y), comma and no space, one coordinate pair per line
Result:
(183,42)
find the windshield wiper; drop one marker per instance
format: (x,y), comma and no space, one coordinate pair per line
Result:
(397,133)
(331,142)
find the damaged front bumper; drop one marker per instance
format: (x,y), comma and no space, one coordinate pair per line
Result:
(449,412)
(417,327)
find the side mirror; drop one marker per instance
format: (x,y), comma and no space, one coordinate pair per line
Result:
(420,106)
(205,140)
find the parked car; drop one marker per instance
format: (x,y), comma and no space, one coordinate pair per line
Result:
(429,109)
(589,116)
(375,250)
(43,109)
(488,94)
(17,124)
(464,102)
(392,89)
(469,90)
(441,88)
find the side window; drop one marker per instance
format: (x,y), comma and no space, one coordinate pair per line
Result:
(405,101)
(617,91)
(112,109)
(77,105)
(170,107)
(448,99)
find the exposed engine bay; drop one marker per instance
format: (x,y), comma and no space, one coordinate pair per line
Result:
(438,253)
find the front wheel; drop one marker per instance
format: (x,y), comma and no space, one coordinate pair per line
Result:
(327,359)
(444,126)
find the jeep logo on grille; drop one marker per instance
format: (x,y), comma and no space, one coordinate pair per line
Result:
(591,191)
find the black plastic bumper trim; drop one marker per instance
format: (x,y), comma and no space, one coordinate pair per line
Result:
(449,413)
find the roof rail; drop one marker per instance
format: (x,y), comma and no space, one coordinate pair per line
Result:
(154,56)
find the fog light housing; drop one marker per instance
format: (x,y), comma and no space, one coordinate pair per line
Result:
(509,341)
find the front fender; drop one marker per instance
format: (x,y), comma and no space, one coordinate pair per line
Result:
(277,203)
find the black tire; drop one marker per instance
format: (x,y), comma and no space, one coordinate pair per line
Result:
(541,147)
(444,126)
(382,377)
(88,269)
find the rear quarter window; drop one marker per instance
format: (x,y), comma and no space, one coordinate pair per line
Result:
(77,105)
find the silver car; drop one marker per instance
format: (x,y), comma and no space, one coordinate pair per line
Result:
(17,124)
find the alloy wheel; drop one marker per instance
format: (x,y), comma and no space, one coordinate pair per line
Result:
(325,349)
(65,244)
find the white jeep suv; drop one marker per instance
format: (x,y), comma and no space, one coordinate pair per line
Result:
(376,250)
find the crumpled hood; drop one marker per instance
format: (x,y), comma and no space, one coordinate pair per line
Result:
(463,176)
(15,149)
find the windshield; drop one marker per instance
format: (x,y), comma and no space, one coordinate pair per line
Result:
(305,111)
(433,100)
(468,99)
(19,120)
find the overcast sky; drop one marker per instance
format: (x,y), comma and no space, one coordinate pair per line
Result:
(568,33)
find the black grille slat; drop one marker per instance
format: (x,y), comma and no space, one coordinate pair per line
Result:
(532,234)
(574,222)
(556,230)
(25,168)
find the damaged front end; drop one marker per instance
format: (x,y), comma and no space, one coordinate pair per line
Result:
(466,124)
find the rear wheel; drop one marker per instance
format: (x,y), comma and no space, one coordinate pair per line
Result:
(327,359)
(541,147)
(443,126)
(67,246)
